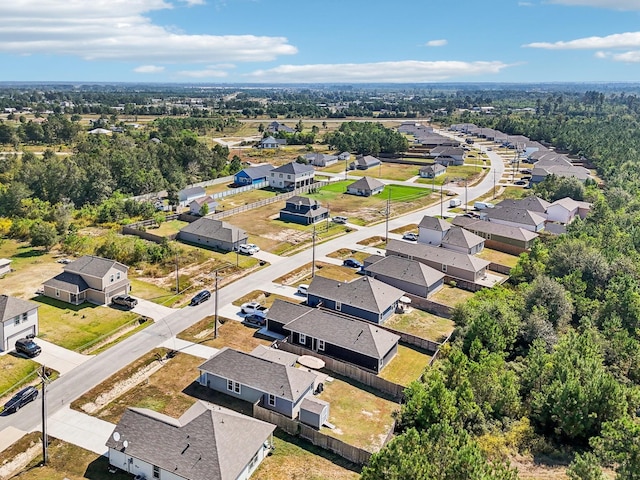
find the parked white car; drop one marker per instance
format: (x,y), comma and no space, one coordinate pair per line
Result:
(254,246)
(246,249)
(254,308)
(303,289)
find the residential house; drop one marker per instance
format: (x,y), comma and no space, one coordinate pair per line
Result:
(275,127)
(92,279)
(291,176)
(274,386)
(213,233)
(566,210)
(453,264)
(541,172)
(365,162)
(505,238)
(516,217)
(365,298)
(18,318)
(272,143)
(196,206)
(531,203)
(344,156)
(348,339)
(433,171)
(252,175)
(207,442)
(320,159)
(303,210)
(188,195)
(275,354)
(431,230)
(409,276)
(448,156)
(365,187)
(463,241)
(432,140)
(5,266)
(100,131)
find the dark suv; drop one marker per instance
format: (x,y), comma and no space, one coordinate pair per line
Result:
(20,399)
(203,296)
(28,347)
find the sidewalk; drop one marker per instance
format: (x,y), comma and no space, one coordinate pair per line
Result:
(195,349)
(58,358)
(80,429)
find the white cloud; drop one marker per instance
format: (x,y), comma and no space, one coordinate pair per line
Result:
(610,4)
(119,30)
(148,69)
(632,56)
(525,4)
(436,43)
(618,40)
(191,3)
(409,71)
(206,73)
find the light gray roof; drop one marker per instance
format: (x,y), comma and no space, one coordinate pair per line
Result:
(580,173)
(259,171)
(206,443)
(299,200)
(365,293)
(94,266)
(216,229)
(349,333)
(433,223)
(294,168)
(506,231)
(275,355)
(68,282)
(531,203)
(261,374)
(435,168)
(188,192)
(313,405)
(11,307)
(459,237)
(443,256)
(446,151)
(367,160)
(319,157)
(367,183)
(282,311)
(516,215)
(4,262)
(569,203)
(202,200)
(404,269)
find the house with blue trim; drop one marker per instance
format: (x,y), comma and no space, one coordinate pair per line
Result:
(303,210)
(252,175)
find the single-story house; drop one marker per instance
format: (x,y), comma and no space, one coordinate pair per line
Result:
(344,156)
(275,127)
(19,318)
(432,171)
(365,162)
(5,266)
(432,140)
(207,442)
(431,230)
(320,159)
(188,195)
(516,217)
(453,264)
(196,206)
(291,176)
(505,238)
(344,338)
(253,379)
(252,175)
(272,143)
(365,187)
(540,173)
(566,210)
(213,233)
(365,298)
(92,279)
(461,240)
(303,210)
(409,276)
(275,355)
(531,203)
(454,155)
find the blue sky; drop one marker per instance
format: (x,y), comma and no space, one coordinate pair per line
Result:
(328,41)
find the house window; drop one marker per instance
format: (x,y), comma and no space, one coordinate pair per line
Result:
(57,292)
(288,177)
(280,175)
(16,321)
(321,345)
(233,386)
(302,339)
(25,316)
(338,306)
(272,400)
(118,276)
(253,462)
(156,471)
(111,278)
(444,268)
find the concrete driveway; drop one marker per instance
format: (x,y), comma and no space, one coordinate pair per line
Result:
(80,429)
(58,358)
(152,310)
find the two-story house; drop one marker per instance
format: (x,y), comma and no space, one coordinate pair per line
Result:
(92,279)
(18,318)
(291,176)
(303,210)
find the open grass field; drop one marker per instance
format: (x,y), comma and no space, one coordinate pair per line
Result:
(389,171)
(328,270)
(32,267)
(73,326)
(231,333)
(170,227)
(407,366)
(451,296)
(421,324)
(499,257)
(362,418)
(15,370)
(412,227)
(244,198)
(153,292)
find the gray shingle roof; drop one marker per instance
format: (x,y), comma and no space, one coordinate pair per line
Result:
(294,168)
(516,215)
(206,443)
(259,171)
(268,377)
(275,355)
(314,405)
(404,269)
(367,160)
(493,228)
(531,203)
(216,229)
(11,307)
(459,237)
(440,255)
(367,183)
(349,333)
(68,282)
(365,293)
(435,168)
(571,204)
(299,200)
(188,192)
(94,266)
(433,223)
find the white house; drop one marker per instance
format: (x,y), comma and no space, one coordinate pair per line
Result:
(19,318)
(291,176)
(195,207)
(432,230)
(566,210)
(5,266)
(187,195)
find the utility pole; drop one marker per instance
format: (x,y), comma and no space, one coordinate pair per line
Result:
(313,252)
(386,236)
(177,275)
(441,200)
(465,197)
(215,317)
(494,183)
(45,380)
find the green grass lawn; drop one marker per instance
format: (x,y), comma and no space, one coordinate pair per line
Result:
(421,324)
(170,227)
(14,370)
(231,333)
(499,257)
(327,270)
(406,366)
(451,296)
(73,326)
(152,292)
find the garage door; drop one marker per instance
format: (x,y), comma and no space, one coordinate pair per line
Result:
(11,340)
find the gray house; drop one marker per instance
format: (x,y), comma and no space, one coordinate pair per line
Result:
(344,338)
(279,127)
(187,195)
(432,230)
(92,279)
(410,276)
(517,217)
(505,238)
(365,298)
(463,241)
(213,233)
(446,155)
(365,187)
(303,210)
(320,159)
(18,318)
(241,375)
(291,176)
(366,162)
(271,143)
(207,442)
(453,264)
(432,171)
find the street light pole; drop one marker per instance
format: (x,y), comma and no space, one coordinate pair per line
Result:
(177,275)
(313,252)
(386,236)
(44,378)
(215,316)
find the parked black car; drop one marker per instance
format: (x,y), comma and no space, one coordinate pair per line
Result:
(20,399)
(125,301)
(203,296)
(352,262)
(256,320)
(28,347)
